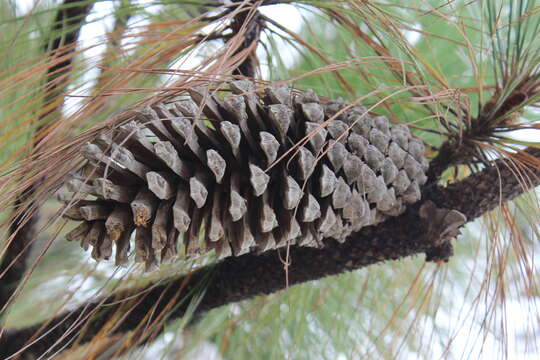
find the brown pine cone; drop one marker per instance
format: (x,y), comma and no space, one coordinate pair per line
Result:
(241,173)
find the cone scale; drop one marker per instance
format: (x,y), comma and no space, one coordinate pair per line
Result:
(251,171)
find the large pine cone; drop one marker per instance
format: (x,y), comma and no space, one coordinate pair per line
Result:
(247,172)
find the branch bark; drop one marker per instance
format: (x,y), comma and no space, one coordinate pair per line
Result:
(249,23)
(65,30)
(239,278)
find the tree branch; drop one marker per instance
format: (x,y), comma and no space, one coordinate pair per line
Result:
(249,24)
(239,278)
(65,29)
(462,144)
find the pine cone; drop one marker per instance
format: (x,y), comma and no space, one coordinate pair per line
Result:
(241,173)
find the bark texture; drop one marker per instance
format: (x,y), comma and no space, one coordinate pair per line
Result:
(239,278)
(252,24)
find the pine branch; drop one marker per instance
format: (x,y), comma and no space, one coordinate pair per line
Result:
(65,29)
(462,144)
(250,25)
(239,278)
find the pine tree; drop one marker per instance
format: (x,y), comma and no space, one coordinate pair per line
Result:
(197,146)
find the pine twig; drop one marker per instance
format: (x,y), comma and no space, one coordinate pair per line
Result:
(239,278)
(251,23)
(462,144)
